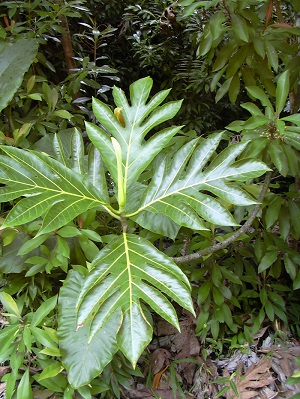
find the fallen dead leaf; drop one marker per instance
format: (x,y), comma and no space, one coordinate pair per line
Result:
(157,377)
(203,386)
(283,364)
(159,359)
(256,376)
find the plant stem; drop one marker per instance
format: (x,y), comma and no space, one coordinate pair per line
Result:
(66,42)
(124,224)
(278,11)
(234,237)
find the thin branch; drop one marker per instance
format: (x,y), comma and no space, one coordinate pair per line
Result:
(236,235)
(67,45)
(66,42)
(278,10)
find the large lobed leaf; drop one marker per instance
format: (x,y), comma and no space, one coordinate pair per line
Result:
(129,273)
(50,188)
(139,119)
(185,185)
(83,358)
(126,274)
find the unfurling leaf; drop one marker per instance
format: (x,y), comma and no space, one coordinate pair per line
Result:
(119,116)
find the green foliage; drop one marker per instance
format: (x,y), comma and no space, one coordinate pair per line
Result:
(17,57)
(101,200)
(294,379)
(129,270)
(275,139)
(239,47)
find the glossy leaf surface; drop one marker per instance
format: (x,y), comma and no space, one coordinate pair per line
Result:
(83,358)
(140,117)
(178,180)
(50,188)
(126,273)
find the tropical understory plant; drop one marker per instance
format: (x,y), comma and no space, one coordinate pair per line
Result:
(138,181)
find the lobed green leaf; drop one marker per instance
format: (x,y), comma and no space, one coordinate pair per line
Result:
(82,357)
(51,189)
(127,272)
(177,186)
(139,118)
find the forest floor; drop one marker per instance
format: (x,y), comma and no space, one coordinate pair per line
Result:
(180,366)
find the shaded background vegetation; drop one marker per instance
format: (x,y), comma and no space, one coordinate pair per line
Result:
(208,52)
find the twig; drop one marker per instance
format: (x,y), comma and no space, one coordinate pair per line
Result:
(66,42)
(278,10)
(238,233)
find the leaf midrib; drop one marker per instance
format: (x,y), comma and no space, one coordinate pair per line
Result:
(131,141)
(45,188)
(166,195)
(59,191)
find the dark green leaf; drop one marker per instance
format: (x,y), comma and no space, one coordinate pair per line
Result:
(204,291)
(240,28)
(16,56)
(272,54)
(267,260)
(24,390)
(234,88)
(223,89)
(235,62)
(290,267)
(263,295)
(205,42)
(217,296)
(278,157)
(258,93)
(296,282)
(282,91)
(224,55)
(43,311)
(273,210)
(284,222)
(202,320)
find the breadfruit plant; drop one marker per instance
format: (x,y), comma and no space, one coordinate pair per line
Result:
(135,173)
